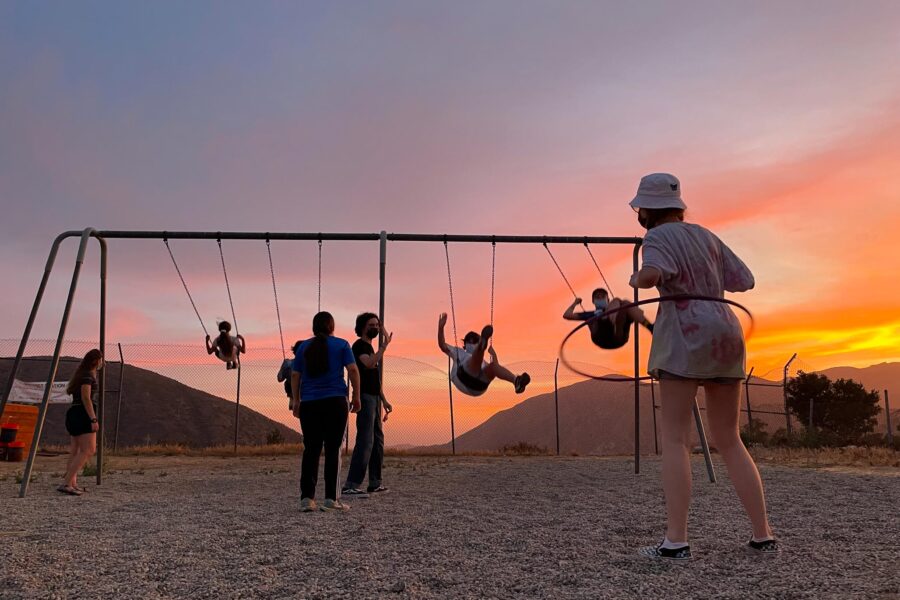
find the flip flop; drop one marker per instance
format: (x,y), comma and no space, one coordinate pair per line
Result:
(65,489)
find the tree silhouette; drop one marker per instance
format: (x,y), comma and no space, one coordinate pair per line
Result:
(842,407)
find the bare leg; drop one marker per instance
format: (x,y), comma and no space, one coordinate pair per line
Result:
(722,410)
(74,451)
(473,365)
(637,315)
(495,369)
(677,404)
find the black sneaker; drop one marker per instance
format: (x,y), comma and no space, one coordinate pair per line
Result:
(486,335)
(352,492)
(522,382)
(377,490)
(765,547)
(659,553)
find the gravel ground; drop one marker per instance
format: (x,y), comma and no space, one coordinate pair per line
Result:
(449,528)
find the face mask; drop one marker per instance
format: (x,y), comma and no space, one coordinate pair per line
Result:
(470,348)
(643,221)
(372,333)
(601,304)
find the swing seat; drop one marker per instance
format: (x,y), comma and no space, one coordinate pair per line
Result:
(603,334)
(467,383)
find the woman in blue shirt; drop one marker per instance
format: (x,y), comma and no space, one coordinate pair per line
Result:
(319,399)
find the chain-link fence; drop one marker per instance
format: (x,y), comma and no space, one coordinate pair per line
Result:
(177,394)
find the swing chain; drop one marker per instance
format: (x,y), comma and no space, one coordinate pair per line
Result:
(558,268)
(320,275)
(493,274)
(608,288)
(227,285)
(452,306)
(275,291)
(184,284)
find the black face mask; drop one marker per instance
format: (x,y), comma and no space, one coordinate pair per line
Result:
(644,221)
(372,333)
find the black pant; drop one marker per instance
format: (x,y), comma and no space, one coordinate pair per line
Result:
(322,422)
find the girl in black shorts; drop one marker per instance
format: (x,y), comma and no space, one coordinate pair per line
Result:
(81,420)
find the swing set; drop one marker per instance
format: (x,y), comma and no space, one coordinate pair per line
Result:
(102,237)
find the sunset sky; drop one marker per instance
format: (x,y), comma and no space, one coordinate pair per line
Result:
(782,121)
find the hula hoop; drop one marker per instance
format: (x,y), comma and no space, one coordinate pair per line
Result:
(606,313)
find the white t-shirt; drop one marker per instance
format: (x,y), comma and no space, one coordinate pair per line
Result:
(695,338)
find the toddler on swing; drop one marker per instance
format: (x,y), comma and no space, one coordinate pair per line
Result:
(226,347)
(470,373)
(609,332)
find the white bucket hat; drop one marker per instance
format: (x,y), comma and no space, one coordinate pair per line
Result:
(658,190)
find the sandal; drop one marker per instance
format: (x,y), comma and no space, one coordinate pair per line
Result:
(67,489)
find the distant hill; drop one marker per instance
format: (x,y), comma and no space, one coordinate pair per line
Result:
(597,417)
(880,377)
(155,410)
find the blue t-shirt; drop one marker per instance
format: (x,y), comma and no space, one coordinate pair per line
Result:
(330,384)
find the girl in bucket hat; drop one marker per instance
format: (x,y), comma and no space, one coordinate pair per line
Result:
(695,343)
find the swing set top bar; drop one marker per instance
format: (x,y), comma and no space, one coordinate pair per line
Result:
(394,237)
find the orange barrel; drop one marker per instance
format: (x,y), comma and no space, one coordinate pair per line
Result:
(8,432)
(15,451)
(25,416)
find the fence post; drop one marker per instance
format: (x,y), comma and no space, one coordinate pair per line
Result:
(452,423)
(556,401)
(655,434)
(119,396)
(704,444)
(787,413)
(747,396)
(237,408)
(887,410)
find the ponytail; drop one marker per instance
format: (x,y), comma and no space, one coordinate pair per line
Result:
(316,354)
(226,345)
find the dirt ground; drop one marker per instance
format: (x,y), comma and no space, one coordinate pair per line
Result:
(473,527)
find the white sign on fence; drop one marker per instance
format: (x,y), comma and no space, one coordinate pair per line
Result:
(31,392)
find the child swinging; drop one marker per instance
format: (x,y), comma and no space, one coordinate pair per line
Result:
(610,332)
(470,373)
(227,347)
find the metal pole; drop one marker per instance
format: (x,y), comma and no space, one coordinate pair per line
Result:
(101,401)
(54,362)
(787,414)
(887,412)
(237,408)
(747,396)
(556,401)
(452,423)
(119,398)
(34,310)
(637,371)
(655,434)
(703,443)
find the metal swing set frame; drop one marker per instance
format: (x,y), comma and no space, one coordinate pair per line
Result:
(383,237)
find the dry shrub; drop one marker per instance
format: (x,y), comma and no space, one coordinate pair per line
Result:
(227,450)
(847,456)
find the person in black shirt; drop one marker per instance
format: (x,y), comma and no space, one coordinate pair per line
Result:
(368,451)
(81,420)
(609,332)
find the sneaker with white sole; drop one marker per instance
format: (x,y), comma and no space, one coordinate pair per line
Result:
(377,490)
(330,505)
(659,553)
(768,547)
(308,505)
(352,492)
